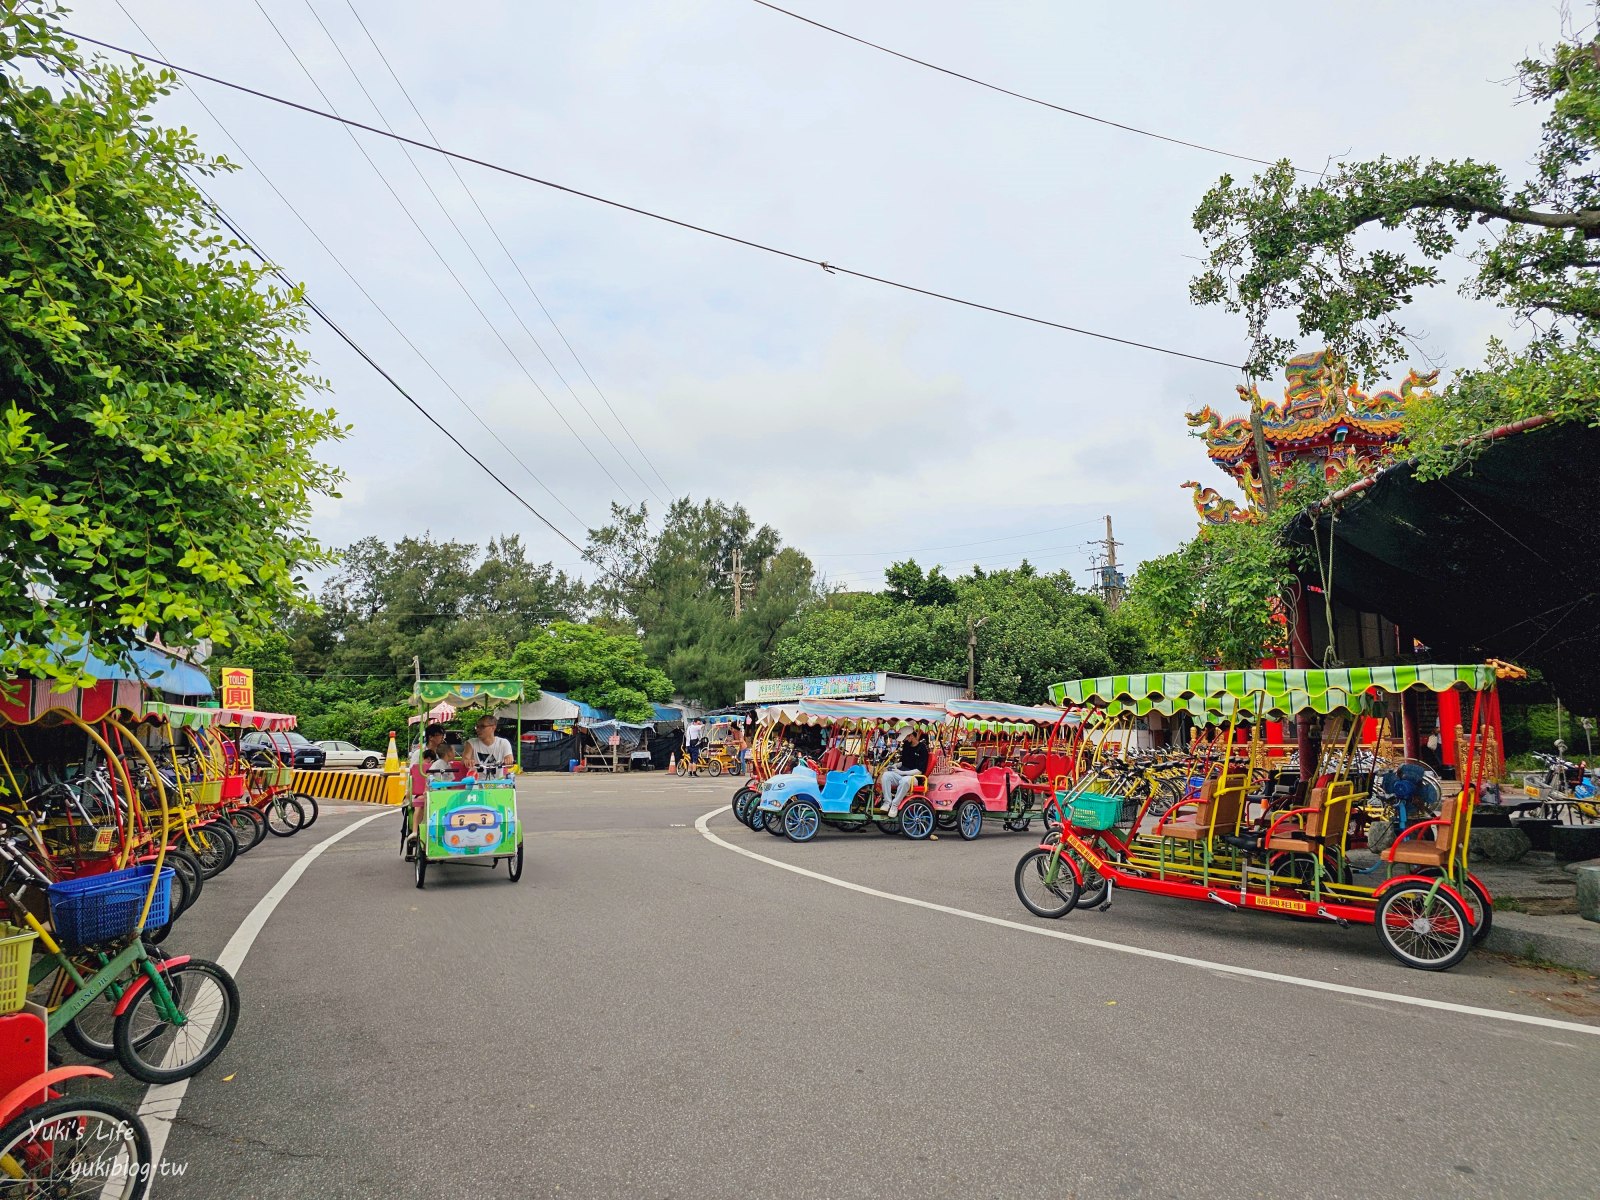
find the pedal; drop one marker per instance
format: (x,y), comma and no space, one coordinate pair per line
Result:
(1106,907)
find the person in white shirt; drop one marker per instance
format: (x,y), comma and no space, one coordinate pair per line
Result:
(488,753)
(691,740)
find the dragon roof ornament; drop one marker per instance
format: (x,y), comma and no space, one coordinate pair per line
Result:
(1323,416)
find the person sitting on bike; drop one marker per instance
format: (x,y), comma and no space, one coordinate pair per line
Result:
(492,753)
(913,762)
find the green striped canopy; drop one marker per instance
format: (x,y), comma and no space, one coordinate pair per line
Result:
(459,693)
(183,716)
(1265,692)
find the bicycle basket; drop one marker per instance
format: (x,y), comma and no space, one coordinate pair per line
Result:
(16,951)
(1091,810)
(101,908)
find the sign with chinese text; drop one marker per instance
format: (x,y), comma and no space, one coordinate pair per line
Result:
(238,687)
(814,687)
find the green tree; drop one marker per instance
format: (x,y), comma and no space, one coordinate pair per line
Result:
(156,454)
(1032,630)
(588,662)
(1343,253)
(673,585)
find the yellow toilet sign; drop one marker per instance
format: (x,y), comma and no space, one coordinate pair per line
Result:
(238,687)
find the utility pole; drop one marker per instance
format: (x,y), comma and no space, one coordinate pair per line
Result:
(736,574)
(972,656)
(1110,581)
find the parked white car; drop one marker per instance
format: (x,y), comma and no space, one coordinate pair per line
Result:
(348,754)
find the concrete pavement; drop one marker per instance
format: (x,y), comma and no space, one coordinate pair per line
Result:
(648,1014)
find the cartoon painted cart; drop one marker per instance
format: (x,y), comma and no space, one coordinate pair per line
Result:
(471,820)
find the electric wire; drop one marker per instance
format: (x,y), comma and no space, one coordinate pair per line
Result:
(471,249)
(1010,537)
(437,253)
(511,258)
(382,312)
(995,87)
(393,382)
(830,268)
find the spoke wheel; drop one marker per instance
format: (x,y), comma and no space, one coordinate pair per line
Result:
(284,816)
(888,827)
(183,862)
(916,819)
(801,820)
(155,1051)
(945,820)
(775,821)
(210,846)
(245,823)
(1041,894)
(1094,889)
(1429,933)
(715,769)
(75,1146)
(969,820)
(757,819)
(308,804)
(91,1032)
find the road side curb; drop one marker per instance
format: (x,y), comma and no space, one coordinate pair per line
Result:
(1566,940)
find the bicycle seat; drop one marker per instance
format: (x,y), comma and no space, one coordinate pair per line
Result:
(1241,841)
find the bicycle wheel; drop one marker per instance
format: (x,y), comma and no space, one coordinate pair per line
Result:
(284,816)
(212,848)
(183,863)
(248,828)
(90,1032)
(75,1146)
(1423,927)
(152,1049)
(1041,894)
(308,805)
(716,769)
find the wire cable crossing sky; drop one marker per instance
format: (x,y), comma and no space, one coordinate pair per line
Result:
(831,268)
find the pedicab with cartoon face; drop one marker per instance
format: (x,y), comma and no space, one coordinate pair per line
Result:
(470,816)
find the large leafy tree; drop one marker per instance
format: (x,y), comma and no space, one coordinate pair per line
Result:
(1342,254)
(673,585)
(157,465)
(597,665)
(1032,630)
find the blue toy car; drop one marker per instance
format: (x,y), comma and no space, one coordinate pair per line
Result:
(795,805)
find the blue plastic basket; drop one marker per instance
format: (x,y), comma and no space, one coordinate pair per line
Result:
(101,908)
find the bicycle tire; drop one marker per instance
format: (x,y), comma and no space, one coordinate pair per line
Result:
(84,1031)
(308,804)
(1058,898)
(210,847)
(244,825)
(118,1126)
(284,816)
(133,1028)
(182,861)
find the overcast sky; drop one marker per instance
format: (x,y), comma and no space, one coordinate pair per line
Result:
(863,422)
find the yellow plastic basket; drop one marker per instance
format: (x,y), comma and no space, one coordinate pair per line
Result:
(16,952)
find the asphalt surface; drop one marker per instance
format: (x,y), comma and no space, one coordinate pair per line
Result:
(650,1014)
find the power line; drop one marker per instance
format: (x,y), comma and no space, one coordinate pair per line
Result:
(393,382)
(995,87)
(382,312)
(472,250)
(444,262)
(516,266)
(830,268)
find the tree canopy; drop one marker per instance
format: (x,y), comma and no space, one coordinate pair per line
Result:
(599,666)
(1343,254)
(673,585)
(157,466)
(1032,630)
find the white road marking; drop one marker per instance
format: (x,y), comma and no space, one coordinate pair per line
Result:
(1493,1014)
(160,1105)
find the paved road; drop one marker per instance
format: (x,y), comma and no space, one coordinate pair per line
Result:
(650,1014)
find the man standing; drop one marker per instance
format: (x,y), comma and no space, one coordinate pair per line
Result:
(913,762)
(691,739)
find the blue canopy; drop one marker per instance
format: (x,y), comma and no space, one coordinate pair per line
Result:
(663,713)
(587,713)
(158,669)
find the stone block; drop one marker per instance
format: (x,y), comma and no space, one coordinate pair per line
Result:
(1499,845)
(1588,892)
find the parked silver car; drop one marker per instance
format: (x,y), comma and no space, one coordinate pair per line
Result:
(348,754)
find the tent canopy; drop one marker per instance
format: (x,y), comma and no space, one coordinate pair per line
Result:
(183,716)
(992,716)
(246,718)
(851,713)
(1207,694)
(158,669)
(460,693)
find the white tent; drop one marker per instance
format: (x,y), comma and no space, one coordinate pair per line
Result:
(546,708)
